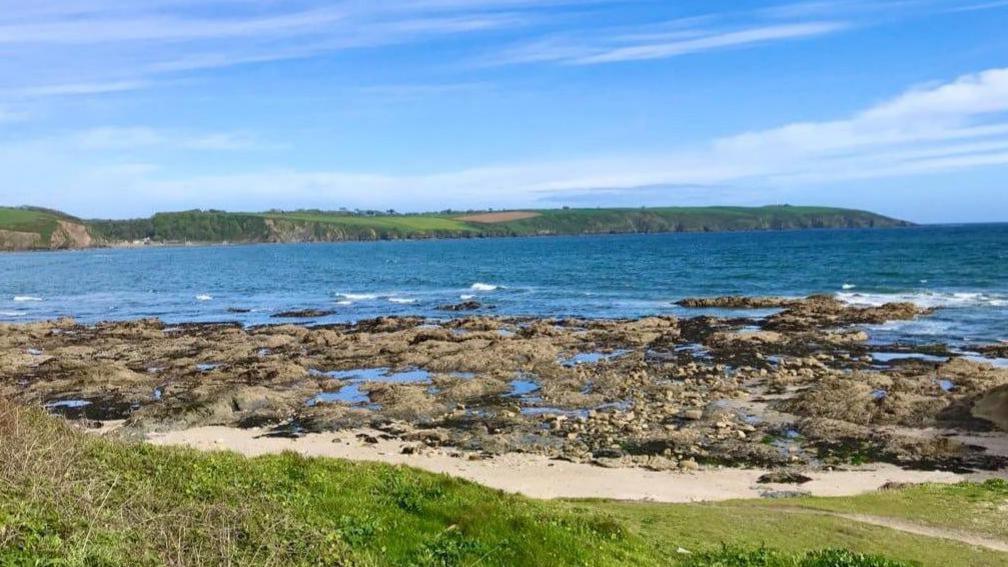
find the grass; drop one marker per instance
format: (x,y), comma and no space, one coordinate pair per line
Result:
(404,224)
(977,508)
(28,220)
(68,498)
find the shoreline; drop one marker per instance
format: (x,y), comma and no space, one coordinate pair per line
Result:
(801,391)
(538,476)
(222,244)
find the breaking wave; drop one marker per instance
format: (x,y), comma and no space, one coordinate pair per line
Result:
(479,286)
(358,296)
(926,299)
(23,298)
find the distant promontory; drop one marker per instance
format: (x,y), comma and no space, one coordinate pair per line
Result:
(34,228)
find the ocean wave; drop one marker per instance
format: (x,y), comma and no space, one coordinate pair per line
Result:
(480,286)
(848,286)
(23,298)
(401,300)
(344,302)
(204,297)
(358,296)
(11,314)
(916,327)
(467,296)
(926,299)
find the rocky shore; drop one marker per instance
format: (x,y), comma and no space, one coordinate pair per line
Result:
(799,389)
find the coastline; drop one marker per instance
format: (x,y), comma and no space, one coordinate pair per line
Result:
(799,390)
(211,228)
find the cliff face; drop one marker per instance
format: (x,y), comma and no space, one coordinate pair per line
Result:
(70,235)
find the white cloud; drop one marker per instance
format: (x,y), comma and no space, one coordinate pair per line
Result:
(952,126)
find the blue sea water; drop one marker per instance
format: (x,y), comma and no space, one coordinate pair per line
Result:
(962,270)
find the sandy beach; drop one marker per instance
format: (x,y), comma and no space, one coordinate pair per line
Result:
(540,477)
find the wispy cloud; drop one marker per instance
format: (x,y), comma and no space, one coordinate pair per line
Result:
(7,115)
(93,47)
(980,6)
(72,89)
(952,126)
(670,39)
(142,138)
(736,38)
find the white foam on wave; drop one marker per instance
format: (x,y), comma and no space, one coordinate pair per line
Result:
(401,300)
(480,286)
(358,296)
(848,286)
(344,302)
(10,314)
(466,296)
(204,297)
(925,299)
(23,298)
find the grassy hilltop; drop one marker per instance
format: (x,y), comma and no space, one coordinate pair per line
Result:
(34,228)
(73,499)
(28,228)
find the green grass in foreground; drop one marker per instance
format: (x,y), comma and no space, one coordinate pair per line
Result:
(71,499)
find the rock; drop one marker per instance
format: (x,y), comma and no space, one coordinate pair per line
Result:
(893,485)
(367,438)
(469,305)
(689,465)
(737,302)
(692,414)
(302,314)
(783,477)
(993,406)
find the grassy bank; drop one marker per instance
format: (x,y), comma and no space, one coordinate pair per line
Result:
(30,221)
(67,498)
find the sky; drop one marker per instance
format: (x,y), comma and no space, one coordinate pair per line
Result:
(121,108)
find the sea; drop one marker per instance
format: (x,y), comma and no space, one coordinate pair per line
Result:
(962,271)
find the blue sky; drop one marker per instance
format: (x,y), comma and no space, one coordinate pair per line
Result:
(122,108)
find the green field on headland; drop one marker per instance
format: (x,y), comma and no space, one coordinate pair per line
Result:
(69,498)
(18,226)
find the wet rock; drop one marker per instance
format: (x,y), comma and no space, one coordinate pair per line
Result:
(737,302)
(463,306)
(302,314)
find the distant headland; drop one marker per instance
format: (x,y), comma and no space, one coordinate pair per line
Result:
(35,228)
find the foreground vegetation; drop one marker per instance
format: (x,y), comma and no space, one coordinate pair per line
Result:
(68,498)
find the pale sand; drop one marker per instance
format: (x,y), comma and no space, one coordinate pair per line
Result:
(540,477)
